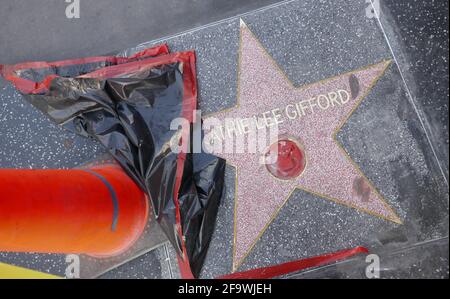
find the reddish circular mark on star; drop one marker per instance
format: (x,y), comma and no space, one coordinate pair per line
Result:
(285,159)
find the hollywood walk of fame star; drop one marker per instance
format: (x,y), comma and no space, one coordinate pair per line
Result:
(313,115)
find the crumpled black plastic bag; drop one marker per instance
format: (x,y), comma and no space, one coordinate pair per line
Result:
(130,116)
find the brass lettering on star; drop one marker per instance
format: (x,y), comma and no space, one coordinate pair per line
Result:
(241,126)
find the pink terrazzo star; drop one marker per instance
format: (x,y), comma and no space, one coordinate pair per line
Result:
(329,172)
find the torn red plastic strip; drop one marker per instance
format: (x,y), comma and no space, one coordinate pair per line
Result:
(189,104)
(154,51)
(295,266)
(30,87)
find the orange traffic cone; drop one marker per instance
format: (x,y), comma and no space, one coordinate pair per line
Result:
(98,211)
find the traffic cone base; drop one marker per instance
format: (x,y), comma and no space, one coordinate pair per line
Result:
(98,211)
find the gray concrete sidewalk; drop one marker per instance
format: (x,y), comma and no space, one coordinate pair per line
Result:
(40,30)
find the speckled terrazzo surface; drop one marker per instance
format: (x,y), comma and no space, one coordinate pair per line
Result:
(310,40)
(418,33)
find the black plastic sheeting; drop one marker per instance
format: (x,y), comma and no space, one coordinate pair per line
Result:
(130,115)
